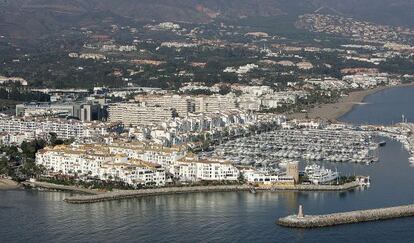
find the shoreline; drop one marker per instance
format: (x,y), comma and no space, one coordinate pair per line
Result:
(334,111)
(86,195)
(7,184)
(119,195)
(57,187)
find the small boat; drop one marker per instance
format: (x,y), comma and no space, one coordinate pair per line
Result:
(382,143)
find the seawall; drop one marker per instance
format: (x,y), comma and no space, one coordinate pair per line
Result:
(311,187)
(314,221)
(152,192)
(116,195)
(51,186)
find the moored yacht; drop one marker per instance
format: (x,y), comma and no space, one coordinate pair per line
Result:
(320,175)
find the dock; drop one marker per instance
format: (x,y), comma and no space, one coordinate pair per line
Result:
(351,217)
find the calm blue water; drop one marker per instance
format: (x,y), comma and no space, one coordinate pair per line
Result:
(226,217)
(385,107)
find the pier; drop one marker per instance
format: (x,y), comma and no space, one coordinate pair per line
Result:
(351,217)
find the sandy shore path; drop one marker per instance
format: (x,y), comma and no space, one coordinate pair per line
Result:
(6,184)
(334,111)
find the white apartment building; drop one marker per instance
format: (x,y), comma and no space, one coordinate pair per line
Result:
(92,56)
(215,103)
(193,169)
(242,69)
(182,104)
(136,114)
(63,128)
(249,102)
(96,161)
(15,138)
(44,109)
(367,80)
(134,172)
(185,105)
(154,153)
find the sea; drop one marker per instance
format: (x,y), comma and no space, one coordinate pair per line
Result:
(38,216)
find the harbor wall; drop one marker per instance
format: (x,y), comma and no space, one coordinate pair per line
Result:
(51,186)
(314,221)
(178,190)
(310,187)
(152,192)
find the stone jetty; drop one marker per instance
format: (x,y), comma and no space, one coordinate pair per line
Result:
(312,187)
(152,192)
(51,186)
(314,221)
(124,194)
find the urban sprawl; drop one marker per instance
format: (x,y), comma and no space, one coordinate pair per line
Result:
(240,125)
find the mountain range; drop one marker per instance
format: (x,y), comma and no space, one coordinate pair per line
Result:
(35,18)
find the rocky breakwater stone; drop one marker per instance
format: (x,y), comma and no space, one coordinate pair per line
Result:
(151,192)
(313,221)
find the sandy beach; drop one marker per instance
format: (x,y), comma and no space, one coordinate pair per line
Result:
(345,104)
(6,184)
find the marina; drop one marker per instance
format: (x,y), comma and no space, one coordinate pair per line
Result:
(331,144)
(403,133)
(228,216)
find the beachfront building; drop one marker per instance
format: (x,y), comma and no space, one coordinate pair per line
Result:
(193,169)
(97,161)
(134,172)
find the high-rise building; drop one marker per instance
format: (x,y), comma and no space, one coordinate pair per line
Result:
(183,105)
(137,114)
(84,111)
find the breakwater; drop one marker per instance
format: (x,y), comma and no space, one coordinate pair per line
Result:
(51,186)
(152,192)
(315,221)
(311,187)
(116,195)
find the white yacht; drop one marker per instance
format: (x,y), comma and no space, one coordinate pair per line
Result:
(320,175)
